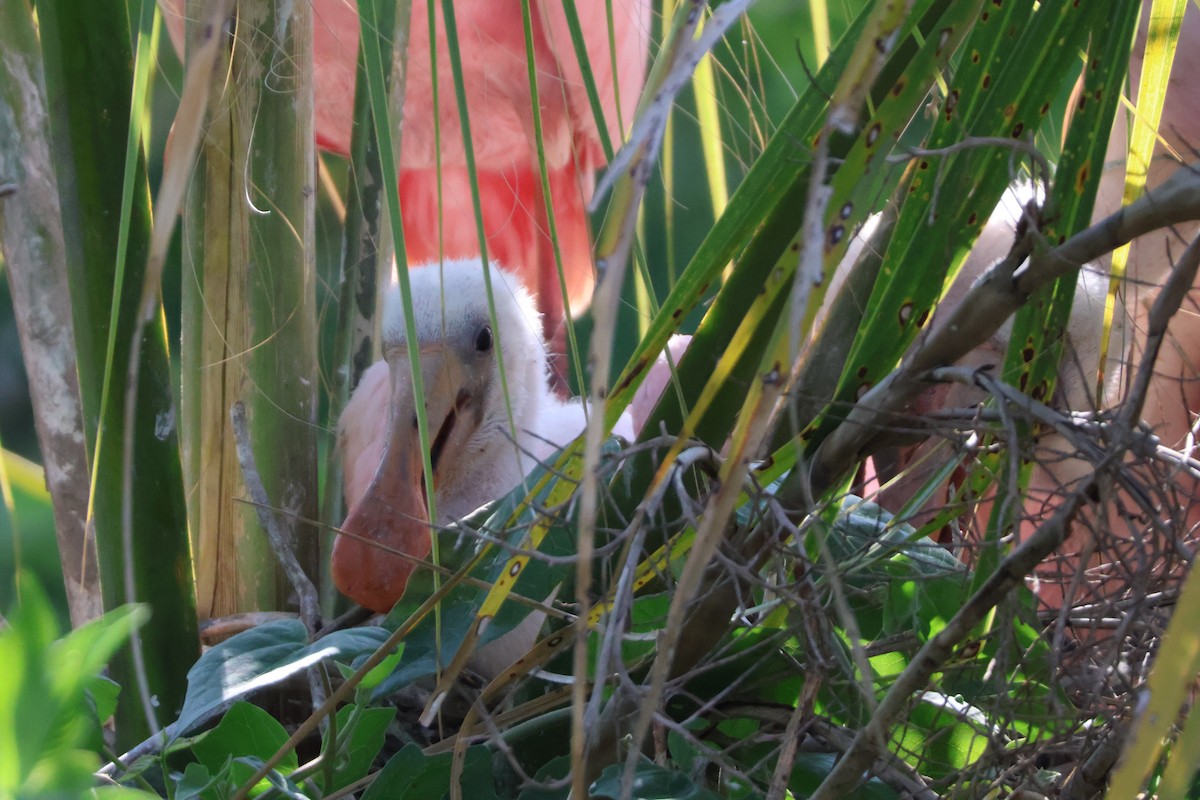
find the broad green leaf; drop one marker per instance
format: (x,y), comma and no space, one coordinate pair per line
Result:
(358,742)
(412,775)
(45,719)
(350,643)
(64,777)
(956,734)
(864,530)
(251,660)
(25,511)
(260,657)
(246,731)
(691,757)
(86,650)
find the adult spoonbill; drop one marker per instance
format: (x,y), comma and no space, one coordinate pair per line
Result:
(477,456)
(499,101)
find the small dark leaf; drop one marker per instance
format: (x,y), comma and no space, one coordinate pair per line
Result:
(195,781)
(651,782)
(552,772)
(102,694)
(810,769)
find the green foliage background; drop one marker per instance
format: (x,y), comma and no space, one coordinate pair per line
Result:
(872,577)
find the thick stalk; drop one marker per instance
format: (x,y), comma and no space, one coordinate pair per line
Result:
(249,308)
(31,239)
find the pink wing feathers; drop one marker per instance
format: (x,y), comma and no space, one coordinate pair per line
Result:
(492,46)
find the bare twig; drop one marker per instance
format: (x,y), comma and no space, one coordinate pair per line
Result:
(703,627)
(310,609)
(1165,306)
(1090,778)
(801,715)
(621,610)
(972,143)
(751,431)
(214,631)
(892,771)
(728,766)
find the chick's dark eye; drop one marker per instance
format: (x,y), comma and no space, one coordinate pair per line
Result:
(483,340)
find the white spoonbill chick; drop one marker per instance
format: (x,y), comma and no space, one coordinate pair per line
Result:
(477,453)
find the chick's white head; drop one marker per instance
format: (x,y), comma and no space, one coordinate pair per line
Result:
(478,360)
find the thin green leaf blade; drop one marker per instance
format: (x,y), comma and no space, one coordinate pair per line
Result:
(88,58)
